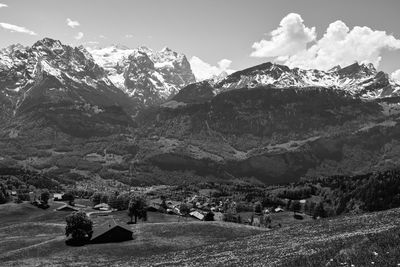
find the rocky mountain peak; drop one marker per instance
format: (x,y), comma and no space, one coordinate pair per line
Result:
(360,80)
(335,68)
(144,74)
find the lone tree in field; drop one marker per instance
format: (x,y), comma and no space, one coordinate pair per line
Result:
(44,196)
(79,226)
(137,208)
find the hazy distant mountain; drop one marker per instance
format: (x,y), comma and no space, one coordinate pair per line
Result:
(149,76)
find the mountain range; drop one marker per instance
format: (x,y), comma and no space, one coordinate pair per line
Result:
(63,106)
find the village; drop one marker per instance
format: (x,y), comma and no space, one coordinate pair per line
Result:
(110,213)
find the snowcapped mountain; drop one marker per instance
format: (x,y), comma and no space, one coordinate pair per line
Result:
(49,71)
(149,76)
(59,82)
(359,80)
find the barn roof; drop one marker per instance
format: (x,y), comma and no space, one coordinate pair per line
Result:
(197,215)
(105,227)
(67,207)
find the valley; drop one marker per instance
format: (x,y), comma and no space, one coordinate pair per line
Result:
(290,166)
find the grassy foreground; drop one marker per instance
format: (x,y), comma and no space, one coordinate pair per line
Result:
(360,240)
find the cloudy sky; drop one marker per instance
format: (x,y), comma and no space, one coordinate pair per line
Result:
(218,35)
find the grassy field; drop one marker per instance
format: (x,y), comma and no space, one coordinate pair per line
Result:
(284,219)
(33,237)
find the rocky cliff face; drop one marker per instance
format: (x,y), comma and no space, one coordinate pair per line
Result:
(149,76)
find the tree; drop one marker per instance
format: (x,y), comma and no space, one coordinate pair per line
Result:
(184,209)
(258,207)
(96,198)
(137,208)
(45,196)
(3,193)
(163,203)
(295,206)
(209,216)
(123,201)
(267,220)
(3,198)
(319,211)
(79,226)
(112,201)
(69,196)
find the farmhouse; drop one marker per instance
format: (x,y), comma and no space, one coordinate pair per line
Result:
(67,207)
(102,207)
(57,196)
(111,232)
(279,209)
(197,215)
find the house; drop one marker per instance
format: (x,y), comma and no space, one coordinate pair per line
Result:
(67,207)
(111,232)
(102,206)
(197,215)
(278,209)
(14,193)
(58,196)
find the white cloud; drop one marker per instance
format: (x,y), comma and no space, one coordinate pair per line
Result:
(339,45)
(15,28)
(72,23)
(291,37)
(102,36)
(3,5)
(128,35)
(396,75)
(79,36)
(203,70)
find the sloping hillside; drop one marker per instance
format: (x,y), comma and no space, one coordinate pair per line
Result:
(356,239)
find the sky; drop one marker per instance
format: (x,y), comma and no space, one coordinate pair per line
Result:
(220,35)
